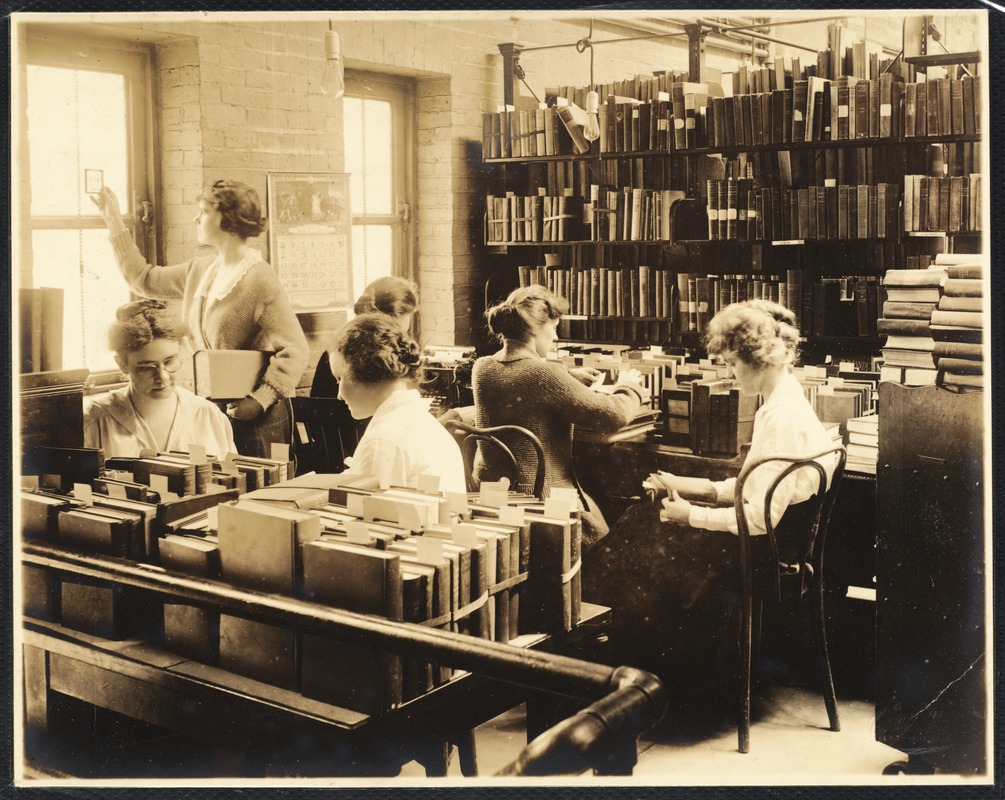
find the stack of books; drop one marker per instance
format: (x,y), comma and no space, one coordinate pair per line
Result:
(911,297)
(958,323)
(863,443)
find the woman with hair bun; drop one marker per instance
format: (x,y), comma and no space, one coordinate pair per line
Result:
(231,300)
(396,297)
(669,571)
(518,386)
(377,366)
(152,412)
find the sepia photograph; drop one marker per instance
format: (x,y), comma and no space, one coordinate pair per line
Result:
(614,402)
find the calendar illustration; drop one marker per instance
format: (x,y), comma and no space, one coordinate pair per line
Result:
(310,236)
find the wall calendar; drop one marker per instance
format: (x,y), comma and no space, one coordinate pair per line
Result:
(310,234)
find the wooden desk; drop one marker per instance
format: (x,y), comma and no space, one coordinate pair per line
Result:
(613,473)
(255,729)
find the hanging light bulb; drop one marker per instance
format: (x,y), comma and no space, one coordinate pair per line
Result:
(333,77)
(591,130)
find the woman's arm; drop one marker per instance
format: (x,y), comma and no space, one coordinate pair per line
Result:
(279,324)
(142,277)
(583,406)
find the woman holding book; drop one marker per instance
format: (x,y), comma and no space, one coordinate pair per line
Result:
(519,386)
(231,300)
(679,620)
(377,366)
(152,412)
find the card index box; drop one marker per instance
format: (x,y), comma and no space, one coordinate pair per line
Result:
(228,374)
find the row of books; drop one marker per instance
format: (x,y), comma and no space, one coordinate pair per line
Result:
(705,412)
(535,218)
(951,204)
(489,565)
(41,329)
(933,321)
(737,210)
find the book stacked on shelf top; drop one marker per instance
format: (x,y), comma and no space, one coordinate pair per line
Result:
(958,323)
(863,443)
(911,297)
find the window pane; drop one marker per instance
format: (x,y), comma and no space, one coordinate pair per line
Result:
(368,154)
(371,254)
(104,290)
(60,100)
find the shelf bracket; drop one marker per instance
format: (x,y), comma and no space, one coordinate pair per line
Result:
(511,67)
(695,52)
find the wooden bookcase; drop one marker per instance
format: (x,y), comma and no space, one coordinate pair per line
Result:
(782,200)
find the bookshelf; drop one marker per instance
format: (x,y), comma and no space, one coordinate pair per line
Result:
(794,182)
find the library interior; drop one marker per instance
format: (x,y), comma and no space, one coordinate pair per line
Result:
(614,383)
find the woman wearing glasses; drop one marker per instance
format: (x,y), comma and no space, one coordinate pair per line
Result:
(231,300)
(152,412)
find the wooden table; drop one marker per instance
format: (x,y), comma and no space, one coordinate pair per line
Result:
(254,729)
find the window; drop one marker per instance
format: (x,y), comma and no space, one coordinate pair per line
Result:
(378,155)
(86,110)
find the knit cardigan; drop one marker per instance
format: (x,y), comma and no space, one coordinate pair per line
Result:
(255,315)
(544,398)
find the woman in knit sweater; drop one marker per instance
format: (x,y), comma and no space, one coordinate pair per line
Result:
(518,386)
(231,300)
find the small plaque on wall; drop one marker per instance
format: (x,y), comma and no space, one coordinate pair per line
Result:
(310,236)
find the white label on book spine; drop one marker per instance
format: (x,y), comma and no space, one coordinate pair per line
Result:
(842,111)
(885,109)
(797,115)
(731,213)
(678,123)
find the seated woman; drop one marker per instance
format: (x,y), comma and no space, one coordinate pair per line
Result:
(152,413)
(377,365)
(518,386)
(670,571)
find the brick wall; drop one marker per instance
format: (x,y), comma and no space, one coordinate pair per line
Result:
(241,98)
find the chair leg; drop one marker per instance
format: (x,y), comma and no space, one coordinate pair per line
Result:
(468,755)
(746,645)
(823,657)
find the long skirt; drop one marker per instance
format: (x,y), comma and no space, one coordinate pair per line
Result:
(255,437)
(674,593)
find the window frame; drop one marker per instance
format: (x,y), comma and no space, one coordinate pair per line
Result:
(400,93)
(59,47)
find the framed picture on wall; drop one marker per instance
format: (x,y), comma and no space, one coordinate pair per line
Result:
(310,235)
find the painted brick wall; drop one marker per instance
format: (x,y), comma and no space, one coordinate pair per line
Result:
(241,98)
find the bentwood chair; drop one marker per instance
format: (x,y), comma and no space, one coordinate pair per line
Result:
(510,440)
(786,565)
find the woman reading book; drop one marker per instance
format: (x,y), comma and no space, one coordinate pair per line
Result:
(669,571)
(231,300)
(377,367)
(519,386)
(152,412)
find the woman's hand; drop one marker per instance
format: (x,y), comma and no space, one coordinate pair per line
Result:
(631,378)
(108,207)
(245,410)
(675,509)
(585,375)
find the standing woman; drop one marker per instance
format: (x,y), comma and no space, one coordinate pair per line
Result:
(518,386)
(231,300)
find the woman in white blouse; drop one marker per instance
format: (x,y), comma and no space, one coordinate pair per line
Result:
(152,412)
(377,365)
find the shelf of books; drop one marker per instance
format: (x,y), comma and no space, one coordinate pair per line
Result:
(817,182)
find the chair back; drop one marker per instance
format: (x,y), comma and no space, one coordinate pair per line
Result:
(497,436)
(324,433)
(791,551)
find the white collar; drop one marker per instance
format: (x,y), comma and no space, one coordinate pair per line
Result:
(399,398)
(230,277)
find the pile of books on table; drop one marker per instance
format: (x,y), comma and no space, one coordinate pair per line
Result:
(863,443)
(911,297)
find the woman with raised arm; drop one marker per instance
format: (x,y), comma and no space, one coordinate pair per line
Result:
(230,300)
(152,412)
